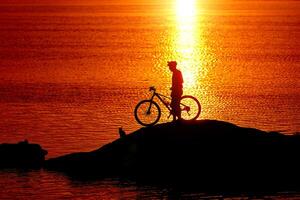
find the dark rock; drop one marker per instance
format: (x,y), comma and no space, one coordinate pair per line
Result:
(207,153)
(21,155)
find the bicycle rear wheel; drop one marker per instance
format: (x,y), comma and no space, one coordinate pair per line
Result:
(147,113)
(190,108)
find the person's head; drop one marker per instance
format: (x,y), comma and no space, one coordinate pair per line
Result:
(172,65)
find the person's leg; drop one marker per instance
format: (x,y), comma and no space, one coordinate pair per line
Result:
(177,107)
(175,104)
(173,107)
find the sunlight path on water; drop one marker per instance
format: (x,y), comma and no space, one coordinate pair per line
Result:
(190,49)
(186,42)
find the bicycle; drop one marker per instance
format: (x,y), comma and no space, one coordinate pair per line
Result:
(147,112)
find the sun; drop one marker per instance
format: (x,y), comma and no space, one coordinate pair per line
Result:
(185,8)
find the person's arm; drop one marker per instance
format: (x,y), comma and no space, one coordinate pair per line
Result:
(181,78)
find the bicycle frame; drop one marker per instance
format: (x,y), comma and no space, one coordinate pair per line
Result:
(159,96)
(144,108)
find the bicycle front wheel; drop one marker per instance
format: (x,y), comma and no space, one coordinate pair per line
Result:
(147,113)
(190,108)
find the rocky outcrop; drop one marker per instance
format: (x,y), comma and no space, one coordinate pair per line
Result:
(207,152)
(21,155)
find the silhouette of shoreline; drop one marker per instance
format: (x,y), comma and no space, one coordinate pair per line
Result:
(22,155)
(205,153)
(208,153)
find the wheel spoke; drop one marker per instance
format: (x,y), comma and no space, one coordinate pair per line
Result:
(147,113)
(190,108)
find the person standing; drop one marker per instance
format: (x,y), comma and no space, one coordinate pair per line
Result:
(176,90)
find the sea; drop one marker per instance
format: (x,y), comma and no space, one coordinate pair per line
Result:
(72,72)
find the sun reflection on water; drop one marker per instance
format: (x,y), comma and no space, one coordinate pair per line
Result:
(187,42)
(194,56)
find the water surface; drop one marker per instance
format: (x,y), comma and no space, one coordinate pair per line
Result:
(71,74)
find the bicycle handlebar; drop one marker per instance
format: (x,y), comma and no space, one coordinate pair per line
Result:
(152,88)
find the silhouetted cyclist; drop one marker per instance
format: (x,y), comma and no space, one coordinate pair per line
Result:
(176,88)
